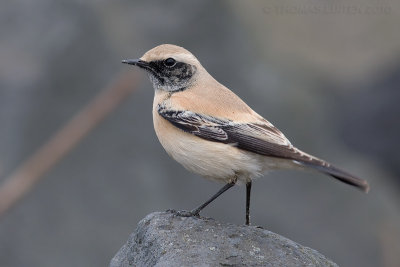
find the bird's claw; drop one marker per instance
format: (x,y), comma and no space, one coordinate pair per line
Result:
(185,213)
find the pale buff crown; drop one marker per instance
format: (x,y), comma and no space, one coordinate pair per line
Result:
(165,51)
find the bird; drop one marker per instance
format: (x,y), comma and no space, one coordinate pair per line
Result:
(212,132)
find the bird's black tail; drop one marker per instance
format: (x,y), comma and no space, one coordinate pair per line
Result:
(337,173)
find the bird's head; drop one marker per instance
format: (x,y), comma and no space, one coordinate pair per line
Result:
(171,68)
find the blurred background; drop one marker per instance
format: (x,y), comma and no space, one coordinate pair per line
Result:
(326,73)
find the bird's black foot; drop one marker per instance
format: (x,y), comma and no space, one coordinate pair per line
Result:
(171,211)
(185,213)
(196,212)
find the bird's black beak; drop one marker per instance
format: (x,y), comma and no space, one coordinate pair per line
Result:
(137,62)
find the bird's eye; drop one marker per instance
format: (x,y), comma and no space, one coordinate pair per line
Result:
(169,62)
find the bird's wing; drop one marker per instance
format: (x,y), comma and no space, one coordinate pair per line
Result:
(257,137)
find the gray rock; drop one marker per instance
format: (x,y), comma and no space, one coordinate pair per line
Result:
(164,239)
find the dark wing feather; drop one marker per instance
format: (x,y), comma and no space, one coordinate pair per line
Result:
(261,138)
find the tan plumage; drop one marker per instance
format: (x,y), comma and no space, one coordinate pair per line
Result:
(211,131)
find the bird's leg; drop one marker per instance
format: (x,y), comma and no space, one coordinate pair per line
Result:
(248,191)
(196,211)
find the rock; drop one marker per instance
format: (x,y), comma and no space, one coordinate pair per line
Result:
(164,239)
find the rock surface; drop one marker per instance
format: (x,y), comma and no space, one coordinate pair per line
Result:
(164,239)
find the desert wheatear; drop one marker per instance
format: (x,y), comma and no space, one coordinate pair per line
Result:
(210,131)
